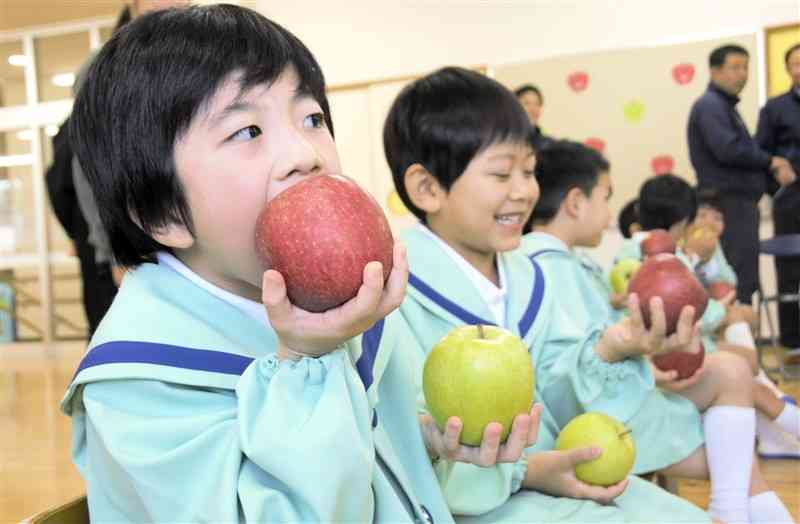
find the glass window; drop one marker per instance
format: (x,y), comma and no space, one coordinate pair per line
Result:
(12,74)
(58,61)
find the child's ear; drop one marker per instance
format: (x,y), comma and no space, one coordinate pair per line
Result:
(573,202)
(174,235)
(423,189)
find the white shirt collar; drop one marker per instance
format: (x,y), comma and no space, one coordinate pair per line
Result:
(494,296)
(640,235)
(249,307)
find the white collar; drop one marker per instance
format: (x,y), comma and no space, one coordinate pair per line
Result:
(249,307)
(494,296)
(639,236)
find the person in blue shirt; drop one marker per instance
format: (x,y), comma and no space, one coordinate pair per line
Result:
(727,158)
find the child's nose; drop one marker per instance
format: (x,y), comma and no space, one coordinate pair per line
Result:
(303,158)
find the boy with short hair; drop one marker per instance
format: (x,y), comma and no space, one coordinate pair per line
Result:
(205,394)
(670,432)
(458,146)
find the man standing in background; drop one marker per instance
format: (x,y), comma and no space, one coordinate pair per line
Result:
(532,101)
(779,134)
(725,157)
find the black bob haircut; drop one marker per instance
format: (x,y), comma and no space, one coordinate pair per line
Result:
(628,216)
(561,166)
(789,52)
(141,94)
(718,55)
(665,200)
(529,88)
(443,120)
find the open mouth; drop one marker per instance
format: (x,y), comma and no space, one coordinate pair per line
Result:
(510,219)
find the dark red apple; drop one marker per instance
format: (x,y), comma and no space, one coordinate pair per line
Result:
(319,234)
(658,241)
(665,276)
(720,289)
(683,362)
(578,81)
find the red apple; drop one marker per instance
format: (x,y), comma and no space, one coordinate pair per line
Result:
(683,73)
(720,289)
(665,276)
(578,81)
(683,362)
(658,241)
(662,164)
(319,234)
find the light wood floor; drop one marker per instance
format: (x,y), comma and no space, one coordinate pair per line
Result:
(36,471)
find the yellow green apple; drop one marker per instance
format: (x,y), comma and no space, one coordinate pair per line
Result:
(480,374)
(622,273)
(596,429)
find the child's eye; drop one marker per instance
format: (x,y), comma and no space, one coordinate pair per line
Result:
(502,176)
(316,120)
(247,133)
(530,174)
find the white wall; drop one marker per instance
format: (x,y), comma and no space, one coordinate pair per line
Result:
(361,40)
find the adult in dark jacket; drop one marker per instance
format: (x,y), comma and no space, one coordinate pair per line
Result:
(726,158)
(779,134)
(532,101)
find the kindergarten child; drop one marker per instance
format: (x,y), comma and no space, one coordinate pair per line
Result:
(196,401)
(458,145)
(671,434)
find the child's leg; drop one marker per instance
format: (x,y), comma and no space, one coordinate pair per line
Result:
(729,428)
(785,415)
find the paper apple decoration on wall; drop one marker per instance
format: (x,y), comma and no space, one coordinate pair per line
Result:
(683,73)
(634,111)
(662,164)
(598,144)
(578,81)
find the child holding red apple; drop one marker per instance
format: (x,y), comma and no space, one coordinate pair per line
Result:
(778,421)
(700,427)
(206,395)
(459,148)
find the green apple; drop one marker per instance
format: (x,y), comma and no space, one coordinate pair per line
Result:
(600,430)
(480,374)
(622,273)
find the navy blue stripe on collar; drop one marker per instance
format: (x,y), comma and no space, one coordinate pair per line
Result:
(448,305)
(133,352)
(535,303)
(542,252)
(370,341)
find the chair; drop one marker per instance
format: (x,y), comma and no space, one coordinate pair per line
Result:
(75,511)
(778,246)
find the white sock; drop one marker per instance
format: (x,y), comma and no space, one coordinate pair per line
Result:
(740,335)
(789,419)
(730,439)
(764,379)
(767,508)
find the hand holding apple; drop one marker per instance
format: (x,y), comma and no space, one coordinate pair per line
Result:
(596,429)
(319,234)
(553,472)
(302,333)
(701,241)
(721,291)
(669,380)
(480,374)
(445,444)
(630,337)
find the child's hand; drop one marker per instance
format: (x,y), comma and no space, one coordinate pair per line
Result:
(669,379)
(445,445)
(314,334)
(553,472)
(629,337)
(619,300)
(739,313)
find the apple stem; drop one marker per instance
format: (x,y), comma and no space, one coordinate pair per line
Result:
(481,334)
(625,433)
